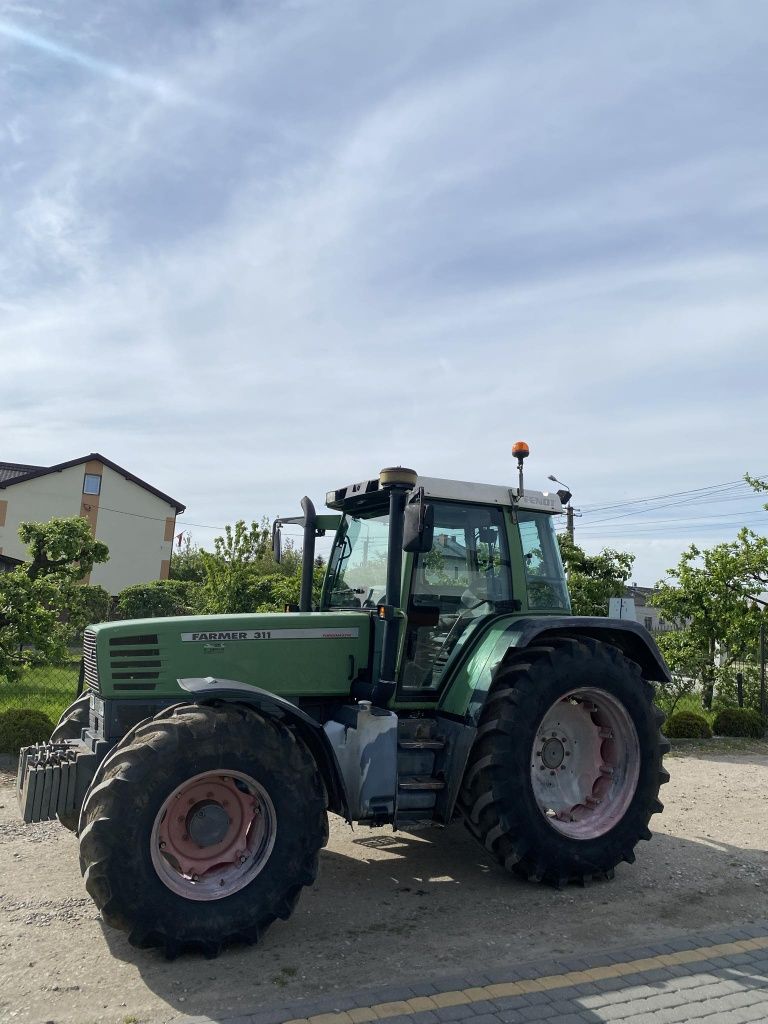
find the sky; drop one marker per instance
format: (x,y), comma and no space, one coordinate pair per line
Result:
(255,250)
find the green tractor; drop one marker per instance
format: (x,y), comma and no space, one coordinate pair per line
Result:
(441,676)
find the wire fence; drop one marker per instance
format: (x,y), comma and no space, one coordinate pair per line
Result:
(49,689)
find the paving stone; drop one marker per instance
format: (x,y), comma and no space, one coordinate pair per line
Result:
(531,1014)
(610,984)
(510,1017)
(483,1006)
(401,1018)
(575,964)
(449,1013)
(425,1017)
(511,1002)
(678,945)
(422,988)
(485,1018)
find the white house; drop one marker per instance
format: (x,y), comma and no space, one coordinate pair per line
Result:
(134,519)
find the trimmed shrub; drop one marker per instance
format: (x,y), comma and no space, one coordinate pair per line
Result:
(687,725)
(157,599)
(20,727)
(738,722)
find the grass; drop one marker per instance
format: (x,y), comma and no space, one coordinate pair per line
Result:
(50,689)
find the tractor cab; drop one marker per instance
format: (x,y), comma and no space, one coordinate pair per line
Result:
(487,552)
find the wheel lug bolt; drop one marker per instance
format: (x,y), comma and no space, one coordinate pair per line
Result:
(195,878)
(162,846)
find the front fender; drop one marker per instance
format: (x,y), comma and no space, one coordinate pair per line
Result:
(208,689)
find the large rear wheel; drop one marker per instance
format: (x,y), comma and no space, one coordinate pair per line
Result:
(201,828)
(567,764)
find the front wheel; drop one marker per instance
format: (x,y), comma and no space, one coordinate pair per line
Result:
(70,726)
(567,764)
(201,828)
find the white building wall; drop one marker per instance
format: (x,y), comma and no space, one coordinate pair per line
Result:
(135,524)
(132,523)
(37,501)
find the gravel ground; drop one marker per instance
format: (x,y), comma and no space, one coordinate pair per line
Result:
(386,907)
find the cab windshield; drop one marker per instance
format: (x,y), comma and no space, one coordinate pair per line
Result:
(357,569)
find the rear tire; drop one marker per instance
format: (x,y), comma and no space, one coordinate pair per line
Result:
(70,726)
(570,704)
(129,816)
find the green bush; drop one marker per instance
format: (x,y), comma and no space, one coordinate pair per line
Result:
(727,693)
(687,725)
(157,599)
(738,722)
(20,727)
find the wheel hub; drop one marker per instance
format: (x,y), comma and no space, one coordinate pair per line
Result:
(207,824)
(585,763)
(553,752)
(213,834)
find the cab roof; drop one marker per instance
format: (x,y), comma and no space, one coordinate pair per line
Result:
(368,491)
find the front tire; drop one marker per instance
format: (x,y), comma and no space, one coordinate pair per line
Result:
(567,763)
(70,726)
(201,828)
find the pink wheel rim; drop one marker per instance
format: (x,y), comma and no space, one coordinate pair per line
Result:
(585,763)
(213,834)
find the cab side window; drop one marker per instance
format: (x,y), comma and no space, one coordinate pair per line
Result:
(455,585)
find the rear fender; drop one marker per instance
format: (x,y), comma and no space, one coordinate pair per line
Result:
(208,689)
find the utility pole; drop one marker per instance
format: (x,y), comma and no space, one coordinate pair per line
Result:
(569,521)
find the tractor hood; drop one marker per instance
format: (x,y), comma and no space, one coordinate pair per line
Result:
(317,653)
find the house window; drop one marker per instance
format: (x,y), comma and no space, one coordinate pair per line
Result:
(92,484)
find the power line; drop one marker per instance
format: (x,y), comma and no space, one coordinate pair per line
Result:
(727,485)
(642,511)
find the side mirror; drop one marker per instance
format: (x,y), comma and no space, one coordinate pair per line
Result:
(277,540)
(418,525)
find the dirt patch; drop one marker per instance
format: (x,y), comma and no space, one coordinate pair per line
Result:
(388,907)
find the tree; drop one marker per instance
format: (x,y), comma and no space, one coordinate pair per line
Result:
(715,594)
(593,579)
(230,568)
(42,601)
(85,604)
(757,485)
(187,562)
(62,547)
(31,632)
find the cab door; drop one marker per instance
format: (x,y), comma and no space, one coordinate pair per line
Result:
(453,588)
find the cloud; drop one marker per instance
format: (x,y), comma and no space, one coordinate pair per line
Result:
(418,234)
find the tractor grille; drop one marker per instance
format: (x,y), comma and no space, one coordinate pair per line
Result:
(134,661)
(91,668)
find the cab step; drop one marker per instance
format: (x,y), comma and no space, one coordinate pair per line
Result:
(420,783)
(436,744)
